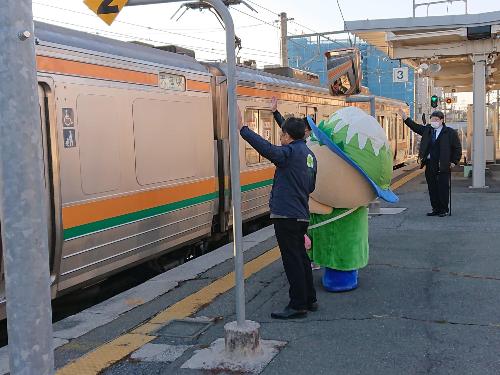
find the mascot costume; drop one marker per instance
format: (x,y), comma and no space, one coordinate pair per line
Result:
(354,168)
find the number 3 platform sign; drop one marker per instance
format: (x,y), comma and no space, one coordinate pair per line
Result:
(106,10)
(400,74)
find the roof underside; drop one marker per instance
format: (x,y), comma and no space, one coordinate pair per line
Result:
(439,39)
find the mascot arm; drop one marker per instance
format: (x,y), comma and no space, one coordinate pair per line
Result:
(277,155)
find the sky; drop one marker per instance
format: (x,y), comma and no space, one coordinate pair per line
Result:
(258,31)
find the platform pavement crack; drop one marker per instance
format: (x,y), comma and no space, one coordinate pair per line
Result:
(383,317)
(437,270)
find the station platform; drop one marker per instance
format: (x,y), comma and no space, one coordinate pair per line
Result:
(427,303)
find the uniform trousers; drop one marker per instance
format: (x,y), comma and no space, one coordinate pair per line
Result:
(290,235)
(438,183)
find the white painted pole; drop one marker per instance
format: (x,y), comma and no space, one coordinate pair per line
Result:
(479,129)
(22,197)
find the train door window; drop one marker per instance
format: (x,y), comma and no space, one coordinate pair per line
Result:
(261,122)
(252,121)
(99,143)
(169,137)
(266,121)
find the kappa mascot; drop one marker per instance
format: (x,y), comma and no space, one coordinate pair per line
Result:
(354,168)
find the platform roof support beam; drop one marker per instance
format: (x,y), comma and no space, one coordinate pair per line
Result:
(479,128)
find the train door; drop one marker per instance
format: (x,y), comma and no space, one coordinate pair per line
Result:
(47,170)
(402,141)
(43,110)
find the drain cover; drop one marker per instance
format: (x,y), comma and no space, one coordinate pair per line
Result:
(184,328)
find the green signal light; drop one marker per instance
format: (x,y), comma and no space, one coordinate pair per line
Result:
(434,101)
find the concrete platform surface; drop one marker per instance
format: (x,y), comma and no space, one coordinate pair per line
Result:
(427,303)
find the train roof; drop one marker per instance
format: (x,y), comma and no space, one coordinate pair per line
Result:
(51,34)
(251,75)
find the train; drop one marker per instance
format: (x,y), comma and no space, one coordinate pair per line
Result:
(136,149)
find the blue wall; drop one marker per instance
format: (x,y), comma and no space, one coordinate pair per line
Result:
(376,67)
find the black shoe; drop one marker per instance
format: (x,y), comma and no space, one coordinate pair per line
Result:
(313,307)
(443,214)
(289,313)
(433,213)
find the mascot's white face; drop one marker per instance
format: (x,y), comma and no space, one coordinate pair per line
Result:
(339,185)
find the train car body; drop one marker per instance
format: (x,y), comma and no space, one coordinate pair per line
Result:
(136,149)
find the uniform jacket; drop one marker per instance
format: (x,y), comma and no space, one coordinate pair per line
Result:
(450,149)
(294,178)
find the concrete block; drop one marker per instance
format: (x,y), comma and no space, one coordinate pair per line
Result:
(159,352)
(216,358)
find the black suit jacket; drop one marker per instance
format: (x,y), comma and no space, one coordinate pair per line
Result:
(450,149)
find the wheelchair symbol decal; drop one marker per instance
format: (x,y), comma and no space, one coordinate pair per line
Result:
(68,117)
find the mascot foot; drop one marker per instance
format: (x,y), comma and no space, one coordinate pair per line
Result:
(340,281)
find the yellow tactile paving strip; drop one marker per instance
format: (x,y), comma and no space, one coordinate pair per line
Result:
(406,179)
(106,355)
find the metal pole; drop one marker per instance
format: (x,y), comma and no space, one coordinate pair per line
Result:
(234,145)
(23,203)
(364,99)
(479,131)
(284,45)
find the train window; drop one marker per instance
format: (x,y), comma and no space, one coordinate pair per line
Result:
(99,143)
(309,111)
(261,122)
(169,137)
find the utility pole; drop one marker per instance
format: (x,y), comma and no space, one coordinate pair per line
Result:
(284,41)
(23,203)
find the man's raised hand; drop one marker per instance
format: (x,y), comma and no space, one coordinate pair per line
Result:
(402,114)
(274,104)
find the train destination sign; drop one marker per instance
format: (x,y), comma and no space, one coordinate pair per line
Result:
(173,82)
(106,10)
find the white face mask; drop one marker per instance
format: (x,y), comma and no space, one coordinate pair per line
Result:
(435,124)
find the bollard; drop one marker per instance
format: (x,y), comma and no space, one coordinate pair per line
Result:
(242,340)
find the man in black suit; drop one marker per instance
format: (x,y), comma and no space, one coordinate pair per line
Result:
(440,149)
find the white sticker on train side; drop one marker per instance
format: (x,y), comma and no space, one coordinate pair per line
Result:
(69,138)
(173,82)
(68,117)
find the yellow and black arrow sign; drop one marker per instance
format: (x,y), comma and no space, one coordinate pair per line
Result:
(106,10)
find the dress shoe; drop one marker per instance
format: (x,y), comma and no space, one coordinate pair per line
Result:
(289,313)
(433,213)
(313,307)
(443,214)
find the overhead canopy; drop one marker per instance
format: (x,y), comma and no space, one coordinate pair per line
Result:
(450,41)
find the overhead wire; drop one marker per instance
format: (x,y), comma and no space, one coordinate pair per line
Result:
(158,29)
(144,39)
(343,19)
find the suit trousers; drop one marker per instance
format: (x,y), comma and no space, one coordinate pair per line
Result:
(290,235)
(439,186)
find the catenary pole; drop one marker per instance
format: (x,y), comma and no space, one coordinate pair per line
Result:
(23,202)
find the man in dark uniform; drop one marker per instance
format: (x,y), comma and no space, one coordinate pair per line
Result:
(440,149)
(294,180)
(278,117)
